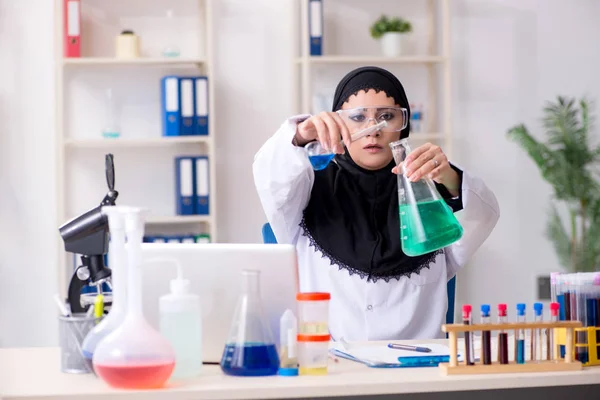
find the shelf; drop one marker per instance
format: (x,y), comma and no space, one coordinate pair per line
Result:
(178,219)
(156,61)
(152,142)
(372,60)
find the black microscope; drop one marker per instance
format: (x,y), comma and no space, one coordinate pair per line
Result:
(87,235)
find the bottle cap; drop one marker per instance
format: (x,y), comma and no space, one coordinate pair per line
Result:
(466,309)
(316,296)
(485,309)
(180,286)
(521,309)
(538,308)
(288,371)
(554,308)
(502,310)
(314,338)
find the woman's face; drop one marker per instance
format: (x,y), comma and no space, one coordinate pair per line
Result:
(371,152)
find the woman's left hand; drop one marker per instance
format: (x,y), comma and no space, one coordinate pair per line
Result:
(429,160)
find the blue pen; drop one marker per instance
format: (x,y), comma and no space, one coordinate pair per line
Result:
(408,347)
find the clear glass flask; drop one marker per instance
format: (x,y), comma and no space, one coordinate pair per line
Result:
(135,355)
(427,223)
(250,349)
(111,128)
(118,264)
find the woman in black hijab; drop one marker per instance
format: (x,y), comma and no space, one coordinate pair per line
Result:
(344,219)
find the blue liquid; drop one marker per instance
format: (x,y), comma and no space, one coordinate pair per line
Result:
(320,161)
(591,312)
(520,351)
(581,355)
(561,309)
(252,359)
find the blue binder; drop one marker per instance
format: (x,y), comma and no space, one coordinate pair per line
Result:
(186,100)
(170,105)
(201,105)
(315,27)
(202,185)
(184,185)
(188,239)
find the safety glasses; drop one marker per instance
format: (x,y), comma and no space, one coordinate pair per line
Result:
(357,119)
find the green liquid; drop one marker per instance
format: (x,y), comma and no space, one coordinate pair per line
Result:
(427,226)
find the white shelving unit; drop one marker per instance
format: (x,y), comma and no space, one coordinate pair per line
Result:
(71,146)
(436,61)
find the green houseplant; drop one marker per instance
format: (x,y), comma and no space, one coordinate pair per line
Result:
(569,162)
(390,31)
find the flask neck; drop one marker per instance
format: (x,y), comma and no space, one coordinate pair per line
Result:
(251,282)
(117,263)
(134,294)
(400,149)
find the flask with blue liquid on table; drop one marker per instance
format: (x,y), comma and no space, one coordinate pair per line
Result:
(250,349)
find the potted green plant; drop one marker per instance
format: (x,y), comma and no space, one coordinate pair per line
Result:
(390,31)
(569,162)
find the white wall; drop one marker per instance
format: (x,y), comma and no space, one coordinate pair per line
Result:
(509,57)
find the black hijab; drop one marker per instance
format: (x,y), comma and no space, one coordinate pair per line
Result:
(352,215)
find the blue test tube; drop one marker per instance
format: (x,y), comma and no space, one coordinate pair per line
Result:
(536,335)
(486,341)
(520,335)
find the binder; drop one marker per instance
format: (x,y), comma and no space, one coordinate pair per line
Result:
(184,185)
(202,238)
(202,185)
(315,27)
(173,239)
(170,105)
(188,239)
(186,95)
(72,28)
(201,105)
(158,239)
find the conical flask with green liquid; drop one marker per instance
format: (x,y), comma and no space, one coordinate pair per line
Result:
(427,223)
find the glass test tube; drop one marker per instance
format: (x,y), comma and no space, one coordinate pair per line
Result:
(596,297)
(536,334)
(560,297)
(553,276)
(520,335)
(552,351)
(469,349)
(581,340)
(502,336)
(486,342)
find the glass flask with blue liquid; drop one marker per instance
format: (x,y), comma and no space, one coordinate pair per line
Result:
(250,349)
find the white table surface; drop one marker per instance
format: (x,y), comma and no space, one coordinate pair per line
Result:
(34,373)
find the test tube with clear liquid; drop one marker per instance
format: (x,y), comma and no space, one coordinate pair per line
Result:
(536,334)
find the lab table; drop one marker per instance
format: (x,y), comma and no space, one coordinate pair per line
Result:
(34,374)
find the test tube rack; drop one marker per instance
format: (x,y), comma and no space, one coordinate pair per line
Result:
(453,367)
(592,335)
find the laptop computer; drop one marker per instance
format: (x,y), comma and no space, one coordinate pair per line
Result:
(214,271)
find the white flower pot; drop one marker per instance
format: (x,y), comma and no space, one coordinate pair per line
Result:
(391,44)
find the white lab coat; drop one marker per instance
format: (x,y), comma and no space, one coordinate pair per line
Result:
(408,308)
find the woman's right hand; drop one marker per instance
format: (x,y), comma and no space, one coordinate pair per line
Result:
(326,127)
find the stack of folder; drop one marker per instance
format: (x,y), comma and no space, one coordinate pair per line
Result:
(192,185)
(184,238)
(184,102)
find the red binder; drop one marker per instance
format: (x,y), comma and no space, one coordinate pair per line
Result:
(72,17)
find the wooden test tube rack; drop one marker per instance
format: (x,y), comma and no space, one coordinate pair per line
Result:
(455,368)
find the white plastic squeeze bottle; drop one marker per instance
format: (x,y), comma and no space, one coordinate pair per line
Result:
(181,325)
